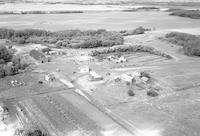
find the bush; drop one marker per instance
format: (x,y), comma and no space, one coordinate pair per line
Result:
(145,74)
(46,50)
(192,48)
(10,64)
(21,41)
(131,93)
(5,54)
(2,61)
(59,44)
(6,33)
(152,93)
(36,132)
(129,48)
(190,43)
(2,71)
(194,14)
(137,31)
(35,39)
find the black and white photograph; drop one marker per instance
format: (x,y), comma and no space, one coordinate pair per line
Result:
(99,67)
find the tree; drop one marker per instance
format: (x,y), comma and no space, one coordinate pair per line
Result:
(131,93)
(5,54)
(152,93)
(36,132)
(2,71)
(9,69)
(16,62)
(2,61)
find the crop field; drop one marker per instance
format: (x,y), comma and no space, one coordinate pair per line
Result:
(102,20)
(69,119)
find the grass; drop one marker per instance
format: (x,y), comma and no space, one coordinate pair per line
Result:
(190,43)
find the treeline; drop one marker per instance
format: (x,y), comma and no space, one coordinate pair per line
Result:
(194,14)
(50,12)
(9,63)
(142,9)
(38,12)
(68,38)
(190,43)
(139,30)
(129,49)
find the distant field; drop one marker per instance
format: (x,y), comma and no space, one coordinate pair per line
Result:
(107,20)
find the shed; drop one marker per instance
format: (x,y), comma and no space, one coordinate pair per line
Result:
(49,77)
(84,69)
(127,78)
(93,76)
(136,74)
(52,52)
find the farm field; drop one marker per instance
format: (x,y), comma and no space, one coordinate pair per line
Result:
(100,20)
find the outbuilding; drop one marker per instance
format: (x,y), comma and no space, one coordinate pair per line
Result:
(93,76)
(49,77)
(84,69)
(127,78)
